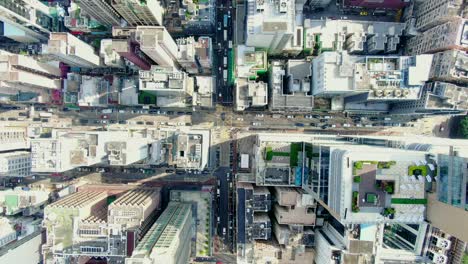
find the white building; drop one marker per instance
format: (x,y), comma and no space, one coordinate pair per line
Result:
(272,25)
(25,21)
(206,86)
(370,78)
(186,54)
(110,56)
(67,150)
(169,239)
(158,44)
(94,91)
(12,138)
(450,66)
(449,35)
(173,88)
(69,49)
(352,36)
(101,11)
(23,74)
(249,93)
(15,164)
(204,53)
(7,232)
(125,152)
(140,13)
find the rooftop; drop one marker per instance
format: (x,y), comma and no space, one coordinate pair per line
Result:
(79,199)
(250,94)
(136,197)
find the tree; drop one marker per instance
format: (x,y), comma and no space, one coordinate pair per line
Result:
(464,127)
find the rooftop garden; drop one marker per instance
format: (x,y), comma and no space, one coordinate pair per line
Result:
(354,202)
(293,153)
(417,170)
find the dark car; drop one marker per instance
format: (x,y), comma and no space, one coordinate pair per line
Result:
(299,124)
(122,122)
(140,123)
(44,120)
(84,121)
(314,124)
(113,121)
(36,119)
(180,113)
(150,123)
(325,126)
(12,119)
(22,114)
(170,112)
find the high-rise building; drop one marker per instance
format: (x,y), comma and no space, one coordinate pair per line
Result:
(450,66)
(25,202)
(272,25)
(21,75)
(98,221)
(436,97)
(100,10)
(158,44)
(249,93)
(14,138)
(25,21)
(69,49)
(15,164)
(68,150)
(430,13)
(449,35)
(169,238)
(140,12)
(131,51)
(172,87)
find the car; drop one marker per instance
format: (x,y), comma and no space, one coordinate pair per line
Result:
(150,123)
(112,121)
(322,120)
(104,122)
(363,13)
(299,124)
(96,121)
(223,116)
(240,119)
(333,125)
(219,25)
(189,113)
(12,119)
(122,122)
(358,125)
(327,117)
(122,111)
(369,125)
(36,119)
(316,116)
(22,114)
(83,121)
(259,115)
(290,116)
(325,126)
(104,116)
(140,123)
(170,112)
(314,124)
(346,125)
(180,113)
(373,118)
(256,124)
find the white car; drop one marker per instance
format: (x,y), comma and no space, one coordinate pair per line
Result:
(368,125)
(346,125)
(358,125)
(240,119)
(256,124)
(327,117)
(290,116)
(259,115)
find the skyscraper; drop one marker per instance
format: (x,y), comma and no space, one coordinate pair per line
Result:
(140,12)
(100,10)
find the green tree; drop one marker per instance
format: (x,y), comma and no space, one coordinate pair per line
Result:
(464,127)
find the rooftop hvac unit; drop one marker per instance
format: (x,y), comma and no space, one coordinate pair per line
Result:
(388,92)
(283,6)
(440,259)
(405,93)
(260,4)
(378,93)
(443,243)
(397,92)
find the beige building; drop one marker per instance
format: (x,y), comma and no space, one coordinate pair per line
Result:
(430,13)
(449,35)
(12,138)
(450,66)
(69,49)
(140,13)
(294,207)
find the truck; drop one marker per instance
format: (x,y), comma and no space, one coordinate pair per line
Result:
(225,35)
(225,61)
(230,44)
(225,75)
(45,115)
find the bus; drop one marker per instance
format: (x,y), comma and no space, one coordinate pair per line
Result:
(225,21)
